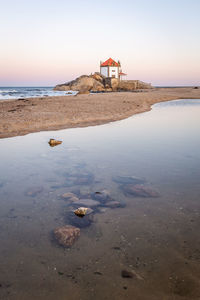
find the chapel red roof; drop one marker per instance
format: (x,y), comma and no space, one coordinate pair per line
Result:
(122,74)
(110,62)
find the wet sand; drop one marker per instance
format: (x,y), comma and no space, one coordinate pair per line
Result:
(19,117)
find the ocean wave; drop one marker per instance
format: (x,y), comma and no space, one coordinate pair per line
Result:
(30,92)
(8,91)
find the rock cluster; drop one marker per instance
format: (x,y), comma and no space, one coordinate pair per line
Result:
(98,83)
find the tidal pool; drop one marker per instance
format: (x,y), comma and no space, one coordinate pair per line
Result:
(152,237)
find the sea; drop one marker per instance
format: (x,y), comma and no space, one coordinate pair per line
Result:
(30,92)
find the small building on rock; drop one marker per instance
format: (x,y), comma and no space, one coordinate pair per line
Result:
(111,69)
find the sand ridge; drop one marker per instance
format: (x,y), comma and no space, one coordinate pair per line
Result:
(19,117)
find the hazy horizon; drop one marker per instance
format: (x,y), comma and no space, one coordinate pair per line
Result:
(51,42)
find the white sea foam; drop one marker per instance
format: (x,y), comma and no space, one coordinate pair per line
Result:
(7,91)
(30,92)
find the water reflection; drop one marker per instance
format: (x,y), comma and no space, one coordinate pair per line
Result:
(140,177)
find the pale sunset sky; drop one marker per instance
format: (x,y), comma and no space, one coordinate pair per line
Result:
(44,43)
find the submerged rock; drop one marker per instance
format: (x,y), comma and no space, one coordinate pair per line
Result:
(113,204)
(102,196)
(66,235)
(128,180)
(87,202)
(139,190)
(84,179)
(33,192)
(53,142)
(81,222)
(70,196)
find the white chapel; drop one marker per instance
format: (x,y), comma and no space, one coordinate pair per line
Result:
(111,68)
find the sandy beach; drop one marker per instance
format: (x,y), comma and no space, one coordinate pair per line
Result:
(19,117)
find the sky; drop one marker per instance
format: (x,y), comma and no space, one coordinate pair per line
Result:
(44,43)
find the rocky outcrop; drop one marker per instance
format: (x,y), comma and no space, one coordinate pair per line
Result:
(83,83)
(131,85)
(98,83)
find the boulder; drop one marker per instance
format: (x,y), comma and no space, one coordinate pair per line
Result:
(82,211)
(83,84)
(66,235)
(83,92)
(98,76)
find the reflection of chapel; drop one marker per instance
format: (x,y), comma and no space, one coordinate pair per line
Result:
(111,68)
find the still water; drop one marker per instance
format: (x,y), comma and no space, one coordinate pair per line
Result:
(152,236)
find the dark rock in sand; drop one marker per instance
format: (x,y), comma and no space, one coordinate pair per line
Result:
(138,190)
(127,274)
(130,274)
(128,180)
(66,235)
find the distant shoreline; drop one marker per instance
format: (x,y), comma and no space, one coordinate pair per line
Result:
(20,117)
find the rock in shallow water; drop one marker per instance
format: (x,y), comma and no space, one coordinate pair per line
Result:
(84,179)
(79,222)
(87,202)
(102,196)
(53,142)
(139,190)
(128,180)
(33,192)
(82,211)
(70,196)
(113,204)
(66,235)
